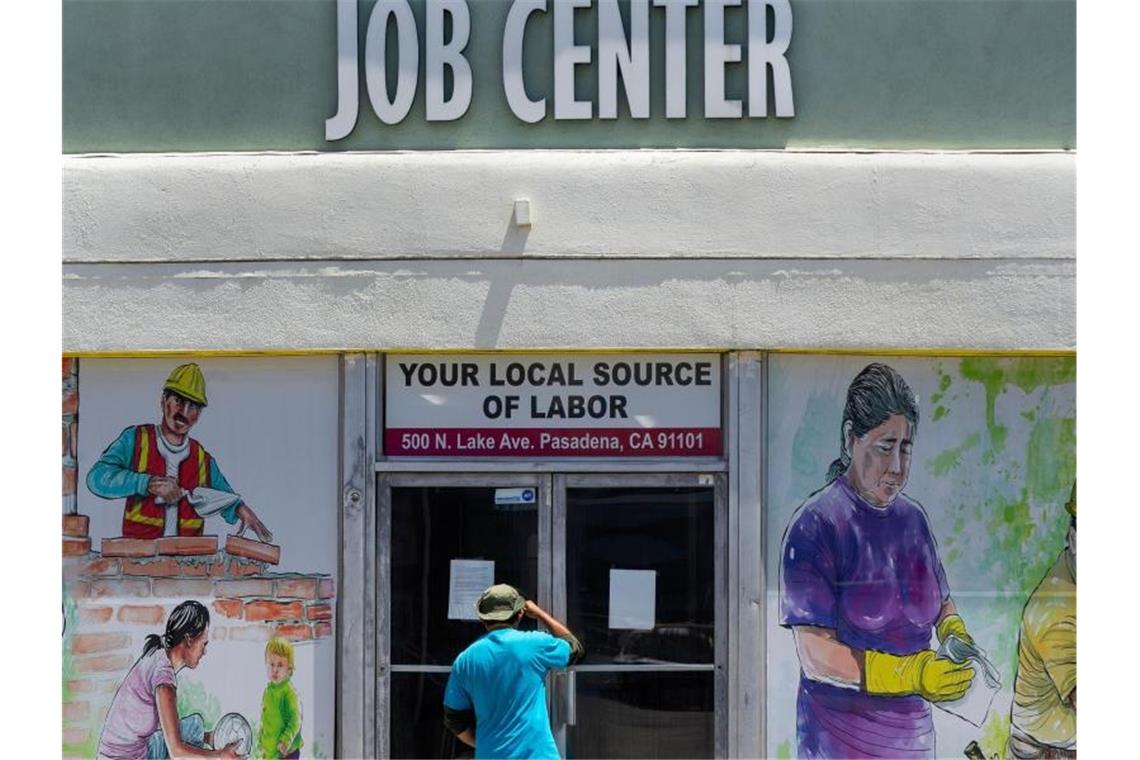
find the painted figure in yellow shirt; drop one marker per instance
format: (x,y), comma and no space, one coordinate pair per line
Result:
(1044,715)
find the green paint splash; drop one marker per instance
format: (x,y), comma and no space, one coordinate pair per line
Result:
(193,697)
(784,750)
(950,459)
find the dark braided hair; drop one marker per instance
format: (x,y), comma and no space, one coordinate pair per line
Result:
(187,621)
(876,393)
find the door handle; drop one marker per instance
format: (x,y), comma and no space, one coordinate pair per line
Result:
(571,698)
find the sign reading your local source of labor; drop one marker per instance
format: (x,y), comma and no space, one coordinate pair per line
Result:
(606,405)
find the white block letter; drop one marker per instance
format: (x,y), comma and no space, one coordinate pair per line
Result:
(514,87)
(375,74)
(675,106)
(762,54)
(717,53)
(567,55)
(440,55)
(614,54)
(347,81)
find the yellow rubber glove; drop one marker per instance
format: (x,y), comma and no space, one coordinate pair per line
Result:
(953,624)
(919,673)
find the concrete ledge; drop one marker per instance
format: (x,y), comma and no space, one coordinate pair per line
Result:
(494,304)
(683,204)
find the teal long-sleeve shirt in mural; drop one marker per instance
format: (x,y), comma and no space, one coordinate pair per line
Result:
(113,478)
(280,720)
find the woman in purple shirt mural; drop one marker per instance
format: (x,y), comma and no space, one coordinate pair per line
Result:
(862,588)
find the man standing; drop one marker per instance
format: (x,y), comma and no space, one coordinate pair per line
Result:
(157,468)
(1044,716)
(495,699)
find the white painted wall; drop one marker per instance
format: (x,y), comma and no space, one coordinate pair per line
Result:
(653,249)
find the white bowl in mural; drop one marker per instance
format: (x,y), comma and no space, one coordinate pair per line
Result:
(232,727)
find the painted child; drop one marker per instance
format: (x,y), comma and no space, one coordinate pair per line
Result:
(280,734)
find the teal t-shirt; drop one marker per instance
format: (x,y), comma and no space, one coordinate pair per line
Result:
(501,677)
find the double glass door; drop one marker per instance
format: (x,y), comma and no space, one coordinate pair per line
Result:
(631,563)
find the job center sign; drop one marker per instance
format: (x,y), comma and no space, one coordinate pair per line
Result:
(531,405)
(616,53)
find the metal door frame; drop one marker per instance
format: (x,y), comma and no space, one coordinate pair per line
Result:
(385,482)
(719,667)
(361,728)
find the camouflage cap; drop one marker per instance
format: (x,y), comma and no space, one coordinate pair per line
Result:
(499,603)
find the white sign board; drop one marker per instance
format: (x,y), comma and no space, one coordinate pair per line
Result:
(633,599)
(537,405)
(469,579)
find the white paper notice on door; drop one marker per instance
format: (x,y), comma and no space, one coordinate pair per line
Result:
(633,599)
(469,579)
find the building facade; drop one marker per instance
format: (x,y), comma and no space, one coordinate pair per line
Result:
(568,295)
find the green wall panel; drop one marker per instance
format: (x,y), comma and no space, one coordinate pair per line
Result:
(200,75)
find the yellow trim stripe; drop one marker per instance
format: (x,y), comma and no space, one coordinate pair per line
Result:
(144,448)
(203,471)
(883,351)
(134,516)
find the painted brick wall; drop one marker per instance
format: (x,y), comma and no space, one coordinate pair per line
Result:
(115,601)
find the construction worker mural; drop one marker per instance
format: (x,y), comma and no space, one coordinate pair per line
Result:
(170,482)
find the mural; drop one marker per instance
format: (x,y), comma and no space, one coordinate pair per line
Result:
(914,505)
(175,640)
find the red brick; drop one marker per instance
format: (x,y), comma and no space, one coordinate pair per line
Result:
(247,547)
(318,612)
(129,547)
(300,588)
(105,663)
(241,567)
(76,525)
(246,587)
(76,735)
(187,546)
(65,432)
(265,609)
(67,365)
(74,437)
(94,614)
(165,568)
(76,547)
(120,588)
(230,608)
(71,401)
(70,476)
(327,589)
(162,568)
(322,629)
(96,643)
(294,631)
(76,711)
(147,614)
(183,588)
(79,589)
(82,686)
(91,569)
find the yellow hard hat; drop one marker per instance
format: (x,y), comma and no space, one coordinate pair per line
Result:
(187,380)
(1071,504)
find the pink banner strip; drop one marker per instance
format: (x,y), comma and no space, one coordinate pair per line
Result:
(548,442)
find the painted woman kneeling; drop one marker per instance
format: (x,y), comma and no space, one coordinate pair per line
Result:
(143,718)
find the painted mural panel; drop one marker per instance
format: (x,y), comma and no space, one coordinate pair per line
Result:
(920,549)
(200,551)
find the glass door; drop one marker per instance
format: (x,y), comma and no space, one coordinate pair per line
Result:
(638,577)
(449,536)
(633,564)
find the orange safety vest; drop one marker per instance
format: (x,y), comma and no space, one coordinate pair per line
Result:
(143,516)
